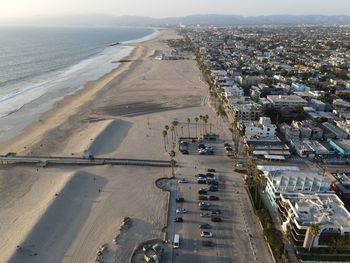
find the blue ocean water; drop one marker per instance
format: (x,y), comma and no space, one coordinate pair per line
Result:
(39,66)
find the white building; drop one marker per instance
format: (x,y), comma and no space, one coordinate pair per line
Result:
(286,101)
(278,182)
(263,128)
(233,91)
(298,212)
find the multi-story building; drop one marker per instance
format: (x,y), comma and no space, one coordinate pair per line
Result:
(299,212)
(278,182)
(263,128)
(249,111)
(286,101)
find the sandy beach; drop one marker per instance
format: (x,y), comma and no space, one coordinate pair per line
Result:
(64,214)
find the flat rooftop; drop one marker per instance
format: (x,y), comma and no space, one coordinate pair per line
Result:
(320,209)
(297,181)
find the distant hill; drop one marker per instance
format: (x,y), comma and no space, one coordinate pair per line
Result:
(217,20)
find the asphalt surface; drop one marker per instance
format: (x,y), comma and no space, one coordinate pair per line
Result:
(238,237)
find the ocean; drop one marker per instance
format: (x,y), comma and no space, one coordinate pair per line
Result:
(39,66)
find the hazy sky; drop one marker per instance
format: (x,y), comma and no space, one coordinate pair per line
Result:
(164,8)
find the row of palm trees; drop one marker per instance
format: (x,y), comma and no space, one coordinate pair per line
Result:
(172,129)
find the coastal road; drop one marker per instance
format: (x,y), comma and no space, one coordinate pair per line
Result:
(236,239)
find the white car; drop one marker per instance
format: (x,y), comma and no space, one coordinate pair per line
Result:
(181,211)
(206,234)
(183,180)
(204,204)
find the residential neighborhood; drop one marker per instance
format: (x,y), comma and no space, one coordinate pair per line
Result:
(285,93)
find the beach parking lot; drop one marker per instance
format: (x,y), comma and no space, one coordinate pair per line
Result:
(237,238)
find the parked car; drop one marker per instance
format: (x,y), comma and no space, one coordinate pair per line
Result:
(211,175)
(202,197)
(179,219)
(213,197)
(184,143)
(201,146)
(212,181)
(201,181)
(216,212)
(205,226)
(207,243)
(205,214)
(201,175)
(213,188)
(180,199)
(181,211)
(202,192)
(181,181)
(204,208)
(206,234)
(204,204)
(211,170)
(226,144)
(216,219)
(184,152)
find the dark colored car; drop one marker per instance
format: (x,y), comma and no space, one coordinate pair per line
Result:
(201,146)
(206,208)
(212,181)
(200,175)
(179,219)
(180,199)
(211,175)
(184,152)
(201,181)
(184,143)
(213,197)
(204,226)
(211,170)
(202,197)
(226,144)
(216,212)
(213,188)
(202,192)
(206,243)
(216,219)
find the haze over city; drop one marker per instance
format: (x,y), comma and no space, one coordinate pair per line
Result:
(170,8)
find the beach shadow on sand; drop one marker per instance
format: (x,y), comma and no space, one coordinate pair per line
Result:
(59,226)
(110,138)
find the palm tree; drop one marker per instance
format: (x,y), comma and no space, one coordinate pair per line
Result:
(172,129)
(165,133)
(200,124)
(166,127)
(313,231)
(217,119)
(196,119)
(175,123)
(205,124)
(245,150)
(188,126)
(173,164)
